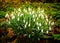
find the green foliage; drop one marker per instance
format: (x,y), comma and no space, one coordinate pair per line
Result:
(2,14)
(30,21)
(56,36)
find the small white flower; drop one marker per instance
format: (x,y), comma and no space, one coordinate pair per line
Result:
(49,28)
(9,22)
(42,11)
(25,25)
(42,16)
(18,14)
(47,19)
(7,15)
(18,19)
(38,28)
(13,17)
(52,23)
(33,19)
(29,24)
(33,16)
(21,14)
(39,15)
(25,34)
(30,13)
(24,10)
(24,21)
(12,14)
(29,35)
(33,12)
(47,31)
(39,24)
(41,30)
(38,8)
(19,9)
(29,9)
(46,16)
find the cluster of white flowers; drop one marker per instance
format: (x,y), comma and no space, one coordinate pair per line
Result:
(35,15)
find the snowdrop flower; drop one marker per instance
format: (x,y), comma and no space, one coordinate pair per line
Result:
(38,8)
(52,23)
(19,9)
(46,16)
(33,19)
(47,19)
(39,15)
(7,15)
(25,34)
(47,31)
(30,13)
(25,25)
(24,10)
(33,16)
(29,35)
(29,9)
(49,28)
(19,14)
(18,19)
(12,14)
(42,11)
(9,22)
(29,24)
(38,28)
(24,21)
(13,17)
(33,12)
(41,30)
(39,24)
(42,16)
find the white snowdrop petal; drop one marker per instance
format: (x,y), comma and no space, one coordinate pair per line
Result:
(7,15)
(25,25)
(33,16)
(39,24)
(33,19)
(39,15)
(29,9)
(49,28)
(13,17)
(29,24)
(47,20)
(29,35)
(42,11)
(9,22)
(52,23)
(41,30)
(38,28)
(18,19)
(47,31)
